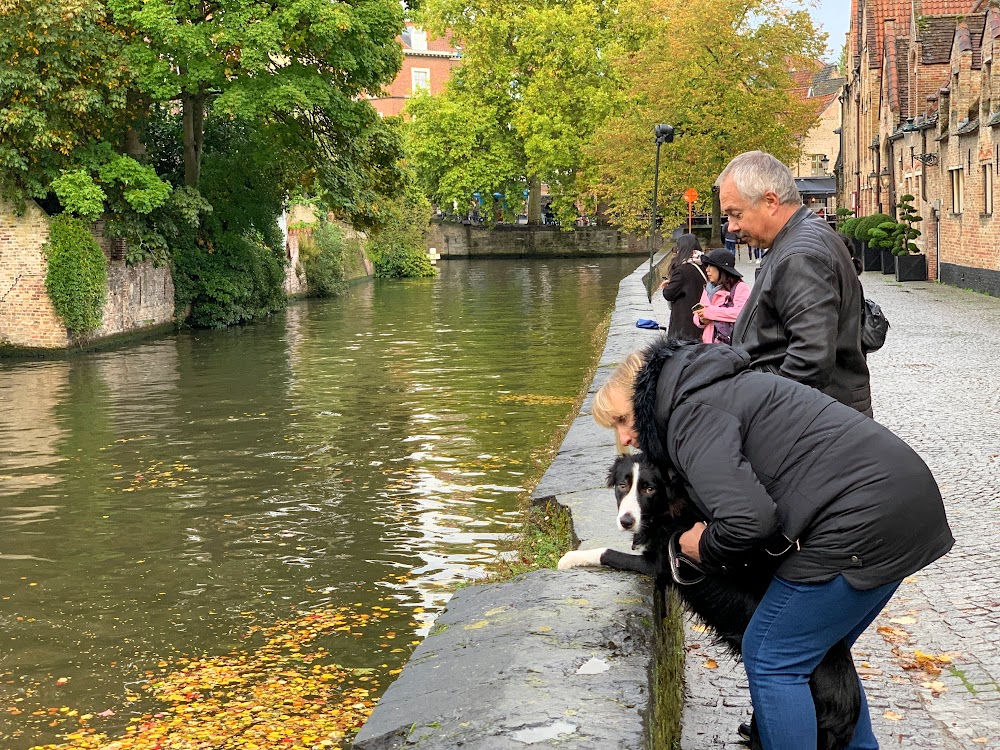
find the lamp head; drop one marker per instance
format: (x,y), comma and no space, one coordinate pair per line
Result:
(664,133)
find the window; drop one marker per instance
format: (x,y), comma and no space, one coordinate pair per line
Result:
(987,188)
(957,188)
(418,39)
(421,79)
(816,165)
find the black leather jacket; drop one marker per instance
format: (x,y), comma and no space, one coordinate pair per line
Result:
(803,318)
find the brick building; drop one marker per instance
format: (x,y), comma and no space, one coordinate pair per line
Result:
(427,64)
(921,108)
(819,84)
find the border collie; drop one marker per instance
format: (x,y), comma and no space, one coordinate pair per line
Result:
(655,511)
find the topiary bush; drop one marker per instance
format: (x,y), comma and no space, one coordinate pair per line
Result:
(848,225)
(867,223)
(322,260)
(77,277)
(906,233)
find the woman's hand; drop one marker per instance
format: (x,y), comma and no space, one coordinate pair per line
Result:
(701,316)
(663,284)
(690,540)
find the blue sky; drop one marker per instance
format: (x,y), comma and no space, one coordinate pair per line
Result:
(834,16)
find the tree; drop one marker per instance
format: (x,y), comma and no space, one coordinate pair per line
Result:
(305,63)
(718,71)
(532,87)
(62,90)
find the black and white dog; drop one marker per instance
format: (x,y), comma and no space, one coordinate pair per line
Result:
(655,511)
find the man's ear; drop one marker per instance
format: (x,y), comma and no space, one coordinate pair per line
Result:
(772,201)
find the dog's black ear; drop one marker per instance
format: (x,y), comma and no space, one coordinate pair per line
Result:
(612,479)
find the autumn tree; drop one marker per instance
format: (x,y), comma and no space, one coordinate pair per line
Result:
(719,72)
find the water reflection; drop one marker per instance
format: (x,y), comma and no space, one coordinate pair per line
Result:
(156,499)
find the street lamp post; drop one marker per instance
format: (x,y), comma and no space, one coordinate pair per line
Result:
(663,134)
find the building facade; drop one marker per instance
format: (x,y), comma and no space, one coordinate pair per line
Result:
(921,112)
(427,65)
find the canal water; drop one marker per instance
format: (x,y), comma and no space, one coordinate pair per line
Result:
(298,496)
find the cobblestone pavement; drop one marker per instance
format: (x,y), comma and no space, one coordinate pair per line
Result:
(936,383)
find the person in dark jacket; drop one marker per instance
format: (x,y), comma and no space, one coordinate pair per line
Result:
(769,462)
(683,287)
(801,320)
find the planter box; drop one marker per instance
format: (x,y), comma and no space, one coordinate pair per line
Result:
(888,261)
(911,268)
(858,249)
(871,258)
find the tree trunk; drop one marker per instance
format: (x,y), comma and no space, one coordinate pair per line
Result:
(602,214)
(134,146)
(194,137)
(715,240)
(534,201)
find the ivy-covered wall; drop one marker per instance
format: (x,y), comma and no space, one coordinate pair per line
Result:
(139,297)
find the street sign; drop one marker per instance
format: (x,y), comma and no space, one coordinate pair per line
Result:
(690,195)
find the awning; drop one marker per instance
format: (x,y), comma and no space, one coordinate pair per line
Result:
(816,186)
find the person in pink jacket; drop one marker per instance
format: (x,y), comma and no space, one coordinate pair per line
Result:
(723,298)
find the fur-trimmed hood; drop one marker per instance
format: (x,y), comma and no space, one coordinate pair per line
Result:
(673,370)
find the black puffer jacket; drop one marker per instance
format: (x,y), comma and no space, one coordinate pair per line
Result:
(803,318)
(762,455)
(683,291)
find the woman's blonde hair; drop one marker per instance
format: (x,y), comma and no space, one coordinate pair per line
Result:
(623,379)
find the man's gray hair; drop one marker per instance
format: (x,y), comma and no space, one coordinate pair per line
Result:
(755,173)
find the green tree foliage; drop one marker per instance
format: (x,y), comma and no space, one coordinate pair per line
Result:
(322,259)
(62,89)
(534,83)
(306,64)
(235,279)
(719,72)
(848,226)
(397,248)
(77,276)
(867,223)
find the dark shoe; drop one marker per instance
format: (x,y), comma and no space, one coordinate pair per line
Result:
(743,730)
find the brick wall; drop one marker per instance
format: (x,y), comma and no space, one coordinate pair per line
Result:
(27,318)
(139,297)
(506,241)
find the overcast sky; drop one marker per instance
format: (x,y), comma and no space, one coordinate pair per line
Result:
(834,16)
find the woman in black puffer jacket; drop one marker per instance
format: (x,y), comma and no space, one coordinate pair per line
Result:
(771,463)
(683,287)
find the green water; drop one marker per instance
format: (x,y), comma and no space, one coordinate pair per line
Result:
(159,500)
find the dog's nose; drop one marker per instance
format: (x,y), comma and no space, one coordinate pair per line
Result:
(627,521)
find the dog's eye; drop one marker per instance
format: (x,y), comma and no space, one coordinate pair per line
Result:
(649,490)
(623,486)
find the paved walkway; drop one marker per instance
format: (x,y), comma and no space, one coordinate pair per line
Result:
(931,662)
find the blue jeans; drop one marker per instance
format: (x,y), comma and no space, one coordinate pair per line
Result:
(793,628)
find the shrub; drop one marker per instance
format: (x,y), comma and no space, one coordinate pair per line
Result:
(867,223)
(233,279)
(847,227)
(322,260)
(905,235)
(883,236)
(396,248)
(77,277)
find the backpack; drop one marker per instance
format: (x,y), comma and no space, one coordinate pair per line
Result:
(874,326)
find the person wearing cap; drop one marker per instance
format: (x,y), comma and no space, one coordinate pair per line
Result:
(803,318)
(724,297)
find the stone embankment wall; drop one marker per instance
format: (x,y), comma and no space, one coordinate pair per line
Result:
(301,219)
(454,240)
(552,659)
(139,297)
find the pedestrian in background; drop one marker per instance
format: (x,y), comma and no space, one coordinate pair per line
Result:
(802,318)
(723,298)
(683,286)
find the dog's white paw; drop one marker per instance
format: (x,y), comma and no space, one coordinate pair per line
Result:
(581,558)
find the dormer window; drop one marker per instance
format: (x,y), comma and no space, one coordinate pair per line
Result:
(418,39)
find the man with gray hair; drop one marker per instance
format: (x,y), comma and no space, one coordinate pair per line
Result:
(803,317)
